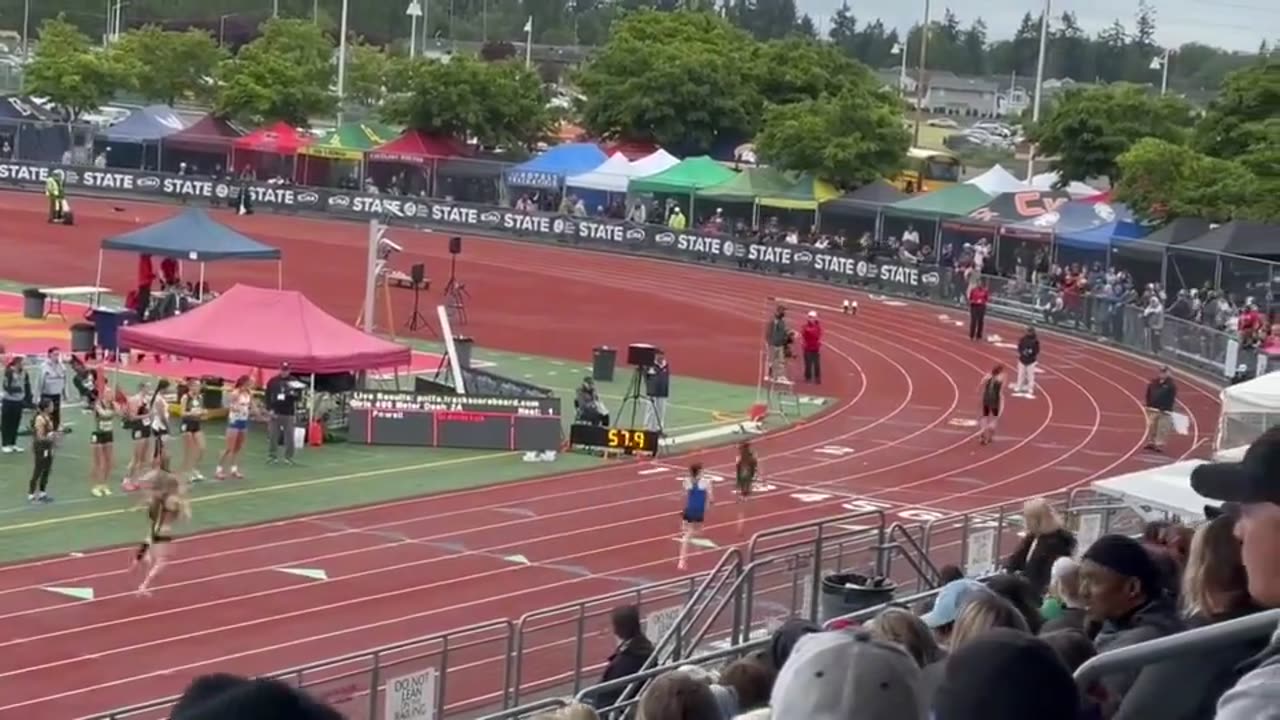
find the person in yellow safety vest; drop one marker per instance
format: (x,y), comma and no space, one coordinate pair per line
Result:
(56,192)
(677,220)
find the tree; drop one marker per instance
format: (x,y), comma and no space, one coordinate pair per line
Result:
(682,80)
(974,42)
(1087,130)
(286,74)
(68,71)
(1243,116)
(499,103)
(173,65)
(851,139)
(795,69)
(1167,180)
(367,69)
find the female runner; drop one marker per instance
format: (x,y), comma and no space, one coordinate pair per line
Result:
(160,424)
(165,506)
(192,431)
(992,390)
(239,402)
(748,470)
(43,433)
(697,497)
(138,422)
(102,444)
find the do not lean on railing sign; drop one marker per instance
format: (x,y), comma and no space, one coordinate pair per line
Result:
(412,697)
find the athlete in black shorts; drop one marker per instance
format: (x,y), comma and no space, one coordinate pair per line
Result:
(165,506)
(102,441)
(992,390)
(192,430)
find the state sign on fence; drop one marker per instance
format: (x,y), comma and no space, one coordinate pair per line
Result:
(411,697)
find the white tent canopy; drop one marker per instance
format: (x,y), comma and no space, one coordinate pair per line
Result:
(1248,409)
(997,180)
(654,163)
(611,176)
(1165,489)
(1259,395)
(1047,181)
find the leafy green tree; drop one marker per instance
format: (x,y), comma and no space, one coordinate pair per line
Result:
(681,79)
(171,65)
(851,138)
(795,69)
(1087,130)
(67,70)
(1242,119)
(367,70)
(1167,180)
(500,103)
(286,74)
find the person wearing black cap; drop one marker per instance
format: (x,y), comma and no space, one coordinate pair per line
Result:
(1006,674)
(1124,590)
(1252,486)
(1162,395)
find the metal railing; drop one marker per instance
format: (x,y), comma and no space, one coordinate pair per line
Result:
(1254,627)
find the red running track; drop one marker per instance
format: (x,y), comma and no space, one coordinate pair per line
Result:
(416,567)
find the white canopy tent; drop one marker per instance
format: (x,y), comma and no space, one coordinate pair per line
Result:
(1158,491)
(997,180)
(611,176)
(654,163)
(1049,180)
(1248,410)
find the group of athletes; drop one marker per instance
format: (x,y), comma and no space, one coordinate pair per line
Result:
(145,416)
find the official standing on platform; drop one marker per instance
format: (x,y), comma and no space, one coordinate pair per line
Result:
(53,385)
(979,295)
(657,385)
(1162,395)
(282,401)
(778,338)
(811,344)
(1028,355)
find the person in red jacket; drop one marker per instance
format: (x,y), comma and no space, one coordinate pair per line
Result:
(811,344)
(978,298)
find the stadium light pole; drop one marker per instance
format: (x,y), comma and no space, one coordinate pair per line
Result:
(901,49)
(26,29)
(1035,102)
(275,8)
(414,11)
(920,81)
(342,59)
(1161,63)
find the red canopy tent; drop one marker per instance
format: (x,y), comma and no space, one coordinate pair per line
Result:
(415,147)
(266,147)
(259,327)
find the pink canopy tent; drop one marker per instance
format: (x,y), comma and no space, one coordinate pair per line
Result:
(259,327)
(270,150)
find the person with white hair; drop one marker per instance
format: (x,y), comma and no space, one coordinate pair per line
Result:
(1063,607)
(811,344)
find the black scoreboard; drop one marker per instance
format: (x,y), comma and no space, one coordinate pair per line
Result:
(378,417)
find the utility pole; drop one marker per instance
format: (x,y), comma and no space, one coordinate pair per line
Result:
(920,74)
(1035,102)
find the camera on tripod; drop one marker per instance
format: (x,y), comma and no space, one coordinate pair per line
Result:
(642,355)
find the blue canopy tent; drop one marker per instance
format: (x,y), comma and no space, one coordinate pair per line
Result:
(135,141)
(549,170)
(193,236)
(1082,230)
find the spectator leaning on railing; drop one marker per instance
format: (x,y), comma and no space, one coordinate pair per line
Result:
(1254,483)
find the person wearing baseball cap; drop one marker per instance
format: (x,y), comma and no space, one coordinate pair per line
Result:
(848,674)
(811,345)
(1006,674)
(1251,489)
(946,608)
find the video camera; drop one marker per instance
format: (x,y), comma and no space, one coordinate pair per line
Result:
(642,355)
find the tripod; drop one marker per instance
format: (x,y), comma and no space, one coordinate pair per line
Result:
(418,321)
(633,397)
(456,294)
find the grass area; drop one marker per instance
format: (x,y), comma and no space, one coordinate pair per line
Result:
(934,138)
(335,476)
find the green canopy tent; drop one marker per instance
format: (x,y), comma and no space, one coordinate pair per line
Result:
(931,210)
(342,145)
(685,179)
(747,187)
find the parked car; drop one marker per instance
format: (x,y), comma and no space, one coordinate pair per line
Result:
(943,123)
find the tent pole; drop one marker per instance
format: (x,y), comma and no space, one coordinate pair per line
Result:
(280,274)
(200,287)
(97,283)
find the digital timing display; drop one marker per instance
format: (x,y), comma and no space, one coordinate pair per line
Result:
(630,441)
(388,417)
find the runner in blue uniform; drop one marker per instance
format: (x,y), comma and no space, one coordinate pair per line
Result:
(697,489)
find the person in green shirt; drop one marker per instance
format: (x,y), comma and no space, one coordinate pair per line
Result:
(55,191)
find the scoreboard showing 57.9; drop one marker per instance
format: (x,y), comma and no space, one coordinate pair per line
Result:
(390,417)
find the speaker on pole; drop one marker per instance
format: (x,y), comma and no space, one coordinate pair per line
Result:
(455,245)
(418,273)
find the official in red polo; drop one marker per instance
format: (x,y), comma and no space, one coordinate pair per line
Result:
(811,344)
(978,298)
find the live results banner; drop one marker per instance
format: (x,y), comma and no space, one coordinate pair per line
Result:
(432,214)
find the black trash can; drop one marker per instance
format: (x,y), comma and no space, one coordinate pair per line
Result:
(846,593)
(604,360)
(463,344)
(82,337)
(211,392)
(33,302)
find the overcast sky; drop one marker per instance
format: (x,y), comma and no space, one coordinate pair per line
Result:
(1232,24)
